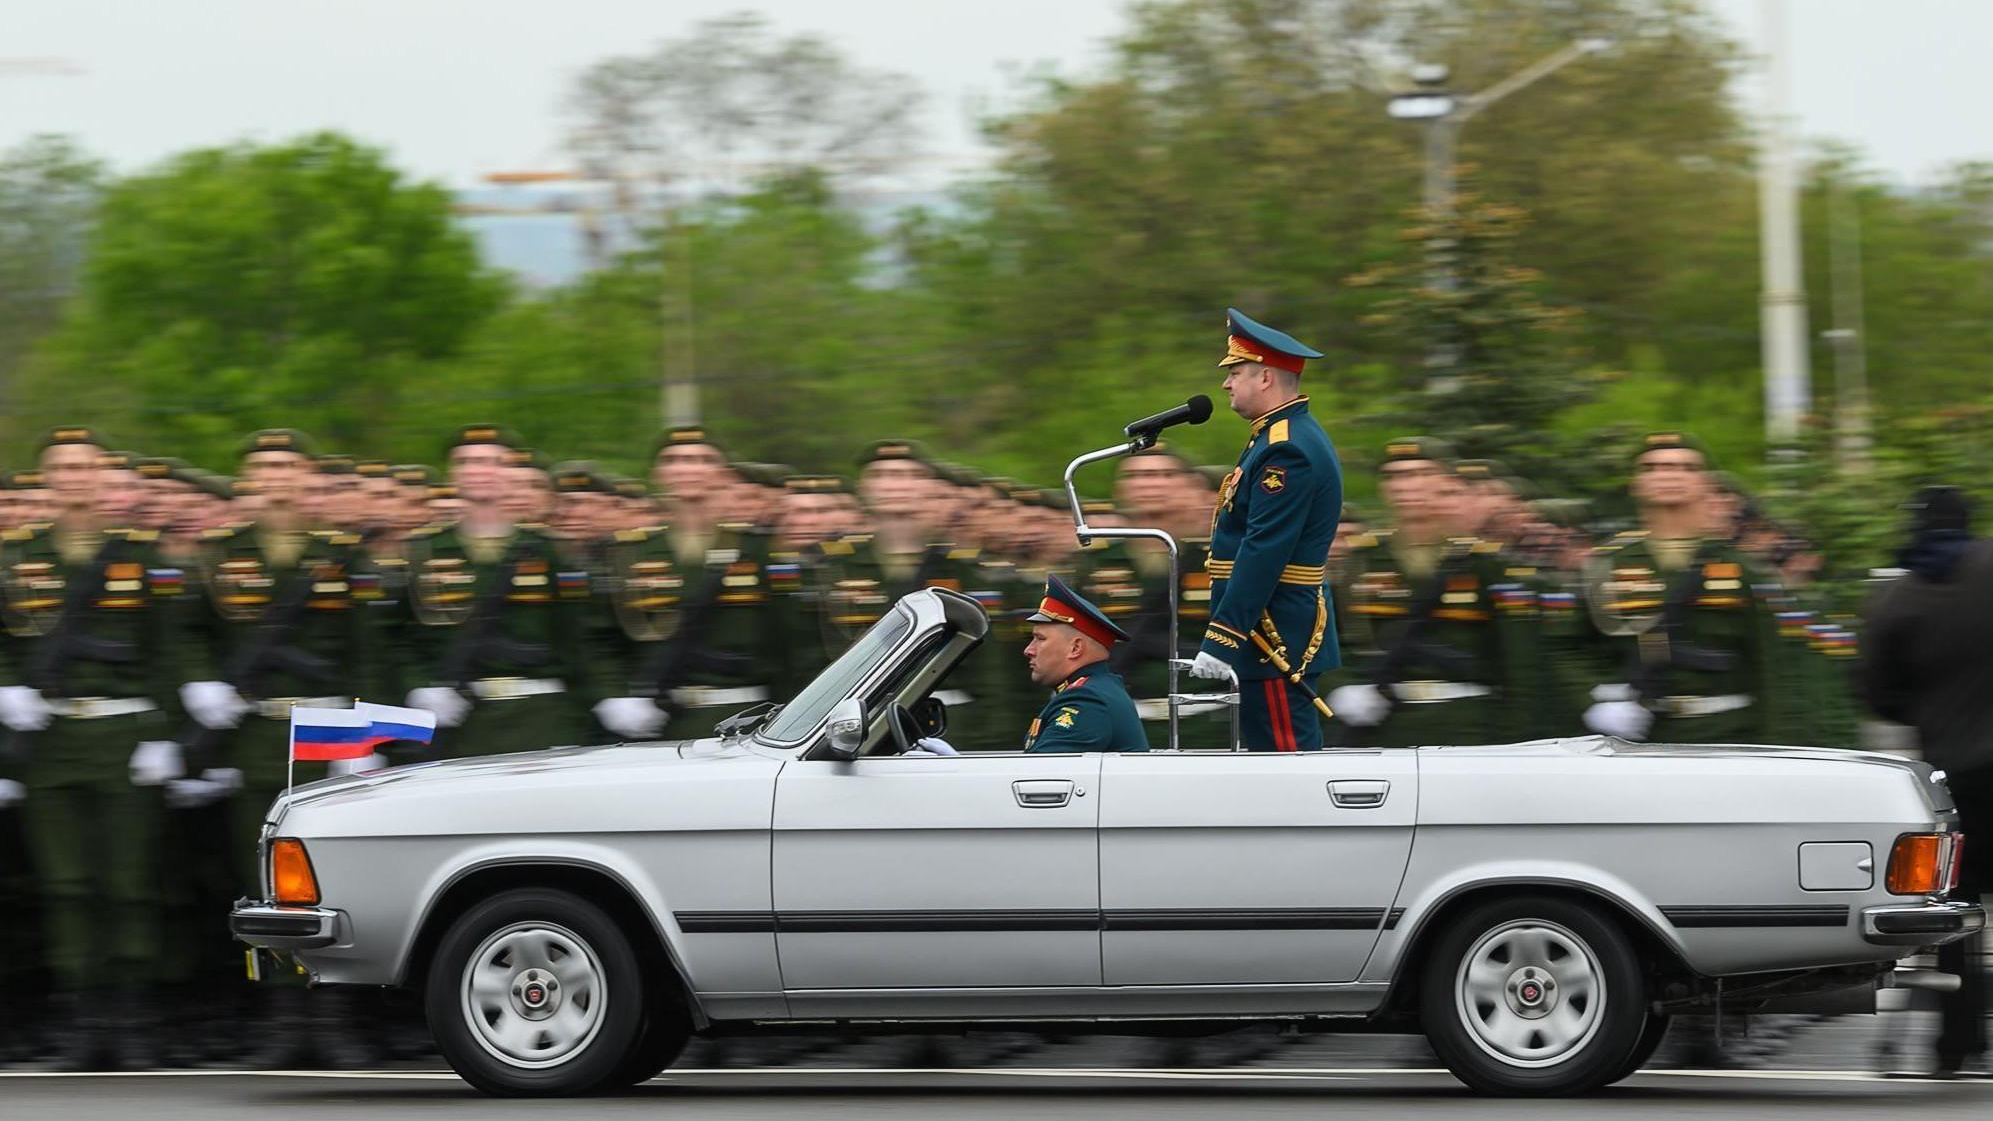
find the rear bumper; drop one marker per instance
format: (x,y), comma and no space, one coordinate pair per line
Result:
(286,928)
(1922,924)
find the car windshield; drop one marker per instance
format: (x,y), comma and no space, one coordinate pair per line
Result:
(836,682)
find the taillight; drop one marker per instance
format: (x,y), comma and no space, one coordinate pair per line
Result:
(292,882)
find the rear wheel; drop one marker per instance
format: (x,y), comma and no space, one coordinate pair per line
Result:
(535,992)
(665,1033)
(1651,1035)
(1535,995)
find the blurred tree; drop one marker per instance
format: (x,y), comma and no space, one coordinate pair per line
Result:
(48,194)
(732,102)
(1513,361)
(302,283)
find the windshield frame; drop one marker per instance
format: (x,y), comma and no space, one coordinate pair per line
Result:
(917,623)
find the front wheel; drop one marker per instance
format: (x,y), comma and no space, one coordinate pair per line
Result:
(1534,996)
(535,992)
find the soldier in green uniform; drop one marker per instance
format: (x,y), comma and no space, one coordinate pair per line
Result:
(97,657)
(1441,639)
(811,514)
(696,629)
(1089,709)
(856,579)
(494,639)
(1688,641)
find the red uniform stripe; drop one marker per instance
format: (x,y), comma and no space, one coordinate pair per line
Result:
(1277,715)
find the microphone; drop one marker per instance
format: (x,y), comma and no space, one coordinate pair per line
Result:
(1197,410)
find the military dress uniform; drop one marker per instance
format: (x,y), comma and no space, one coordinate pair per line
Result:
(1270,535)
(92,828)
(1452,647)
(1090,710)
(524,668)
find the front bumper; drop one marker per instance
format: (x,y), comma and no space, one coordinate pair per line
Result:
(1931,923)
(286,928)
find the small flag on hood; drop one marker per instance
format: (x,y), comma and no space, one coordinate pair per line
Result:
(354,733)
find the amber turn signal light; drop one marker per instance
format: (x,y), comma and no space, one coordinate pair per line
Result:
(1916,864)
(293,884)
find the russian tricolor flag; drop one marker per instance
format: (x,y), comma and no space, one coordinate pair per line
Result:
(354,733)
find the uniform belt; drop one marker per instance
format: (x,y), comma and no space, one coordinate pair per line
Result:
(1291,574)
(1690,707)
(279,708)
(1158,708)
(713,696)
(97,708)
(1435,692)
(513,688)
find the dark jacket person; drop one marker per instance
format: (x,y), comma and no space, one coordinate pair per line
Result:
(1926,662)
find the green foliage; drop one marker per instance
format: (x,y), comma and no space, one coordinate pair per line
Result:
(304,283)
(48,193)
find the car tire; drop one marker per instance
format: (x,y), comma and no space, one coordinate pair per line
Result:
(662,1039)
(1533,996)
(1651,1035)
(534,992)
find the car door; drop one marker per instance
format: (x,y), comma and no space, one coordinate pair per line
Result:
(1250,868)
(900,876)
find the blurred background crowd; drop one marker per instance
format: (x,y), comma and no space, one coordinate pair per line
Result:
(1594,487)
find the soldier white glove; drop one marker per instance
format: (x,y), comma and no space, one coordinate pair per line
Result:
(449,705)
(1359,706)
(1628,720)
(374,762)
(11,793)
(214,784)
(635,718)
(23,709)
(215,704)
(1213,668)
(934,745)
(154,762)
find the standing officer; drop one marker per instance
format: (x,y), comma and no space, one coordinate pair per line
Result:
(96,659)
(496,648)
(1270,536)
(1690,645)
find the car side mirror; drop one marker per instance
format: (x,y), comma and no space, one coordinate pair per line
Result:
(847,728)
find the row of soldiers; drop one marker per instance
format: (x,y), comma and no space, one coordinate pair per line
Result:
(160,623)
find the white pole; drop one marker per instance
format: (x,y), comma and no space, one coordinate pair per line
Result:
(1782,302)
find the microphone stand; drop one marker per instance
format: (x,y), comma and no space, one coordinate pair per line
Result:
(1087,534)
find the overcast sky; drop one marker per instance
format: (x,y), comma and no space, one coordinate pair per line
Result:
(458,88)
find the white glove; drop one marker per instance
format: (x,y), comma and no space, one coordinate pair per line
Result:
(154,762)
(374,762)
(214,784)
(1213,668)
(1628,720)
(11,793)
(636,718)
(1359,706)
(23,709)
(215,704)
(934,745)
(449,705)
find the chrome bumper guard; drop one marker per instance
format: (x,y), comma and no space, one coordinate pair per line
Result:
(285,928)
(1930,923)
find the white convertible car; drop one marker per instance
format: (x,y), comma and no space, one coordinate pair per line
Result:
(1539,911)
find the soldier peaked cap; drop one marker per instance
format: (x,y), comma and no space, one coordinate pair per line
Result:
(276,440)
(895,449)
(1063,605)
(412,474)
(1670,440)
(682,434)
(474,434)
(1404,448)
(71,434)
(1248,340)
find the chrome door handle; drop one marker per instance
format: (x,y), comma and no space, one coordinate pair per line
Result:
(1359,793)
(1043,793)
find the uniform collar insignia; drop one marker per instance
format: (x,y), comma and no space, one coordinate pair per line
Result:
(1260,424)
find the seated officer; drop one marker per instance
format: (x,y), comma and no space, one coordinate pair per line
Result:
(1090,709)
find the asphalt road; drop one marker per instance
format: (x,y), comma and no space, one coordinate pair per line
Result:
(1147,1095)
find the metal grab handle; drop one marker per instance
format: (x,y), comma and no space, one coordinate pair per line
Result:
(1042,794)
(1359,794)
